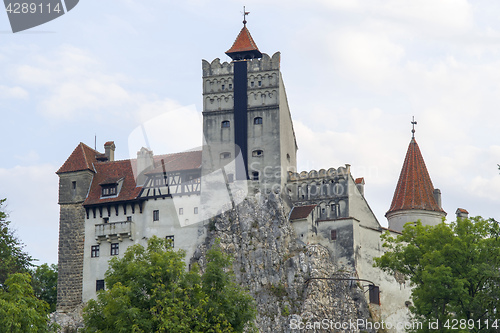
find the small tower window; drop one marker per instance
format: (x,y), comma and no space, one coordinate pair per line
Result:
(252,84)
(196,210)
(257,120)
(230,86)
(225,155)
(225,124)
(259,83)
(255,175)
(181,211)
(223,87)
(258,153)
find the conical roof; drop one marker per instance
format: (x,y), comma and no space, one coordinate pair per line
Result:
(414,189)
(244,46)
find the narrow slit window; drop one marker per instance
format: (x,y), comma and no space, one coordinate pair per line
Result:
(156,215)
(258,153)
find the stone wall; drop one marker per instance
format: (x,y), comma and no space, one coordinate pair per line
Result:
(274,266)
(70,264)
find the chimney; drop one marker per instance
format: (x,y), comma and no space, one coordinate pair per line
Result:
(462,213)
(144,164)
(437,196)
(360,184)
(109,150)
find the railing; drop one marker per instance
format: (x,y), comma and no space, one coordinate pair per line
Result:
(115,229)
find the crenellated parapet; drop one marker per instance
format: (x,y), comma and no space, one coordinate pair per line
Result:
(329,189)
(263,83)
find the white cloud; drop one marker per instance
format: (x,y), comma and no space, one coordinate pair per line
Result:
(31,194)
(13,92)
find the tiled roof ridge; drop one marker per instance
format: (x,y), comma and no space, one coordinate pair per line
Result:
(414,189)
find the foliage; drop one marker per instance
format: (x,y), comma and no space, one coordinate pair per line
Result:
(454,269)
(149,290)
(44,283)
(12,257)
(20,310)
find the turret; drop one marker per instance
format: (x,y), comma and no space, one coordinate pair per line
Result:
(415,198)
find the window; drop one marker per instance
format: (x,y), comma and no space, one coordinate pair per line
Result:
(225,124)
(129,218)
(114,249)
(99,285)
(252,84)
(108,190)
(225,155)
(257,120)
(258,153)
(333,235)
(181,211)
(94,252)
(105,220)
(288,157)
(259,83)
(73,184)
(196,210)
(223,87)
(255,175)
(230,86)
(156,215)
(171,239)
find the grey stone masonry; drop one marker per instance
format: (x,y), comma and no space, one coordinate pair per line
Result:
(73,189)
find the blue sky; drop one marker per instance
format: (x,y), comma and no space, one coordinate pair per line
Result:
(355,73)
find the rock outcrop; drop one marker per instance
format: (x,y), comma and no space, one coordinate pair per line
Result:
(276,269)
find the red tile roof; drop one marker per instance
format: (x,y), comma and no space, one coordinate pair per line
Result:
(112,172)
(106,171)
(461,210)
(80,159)
(414,189)
(360,181)
(244,43)
(175,162)
(301,212)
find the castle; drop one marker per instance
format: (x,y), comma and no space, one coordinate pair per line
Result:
(249,150)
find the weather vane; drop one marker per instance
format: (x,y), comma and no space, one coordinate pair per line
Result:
(413,123)
(245,13)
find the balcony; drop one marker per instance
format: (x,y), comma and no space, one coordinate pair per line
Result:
(115,230)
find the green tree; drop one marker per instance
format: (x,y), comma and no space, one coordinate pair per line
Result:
(12,257)
(149,290)
(44,283)
(455,272)
(20,310)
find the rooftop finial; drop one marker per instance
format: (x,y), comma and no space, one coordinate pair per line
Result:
(413,123)
(245,13)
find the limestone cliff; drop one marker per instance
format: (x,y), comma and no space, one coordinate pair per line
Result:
(275,267)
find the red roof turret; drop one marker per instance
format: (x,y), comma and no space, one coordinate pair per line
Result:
(414,189)
(244,47)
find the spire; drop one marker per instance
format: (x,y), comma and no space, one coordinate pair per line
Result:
(414,189)
(244,46)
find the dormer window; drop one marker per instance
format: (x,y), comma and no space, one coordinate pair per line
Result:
(109,190)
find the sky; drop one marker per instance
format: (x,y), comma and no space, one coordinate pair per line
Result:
(355,72)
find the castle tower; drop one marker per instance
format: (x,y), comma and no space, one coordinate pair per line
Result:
(246,117)
(415,198)
(75,177)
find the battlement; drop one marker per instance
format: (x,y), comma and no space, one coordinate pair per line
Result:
(331,173)
(266,63)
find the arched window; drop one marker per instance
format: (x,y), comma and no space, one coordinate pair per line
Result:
(257,121)
(258,153)
(225,124)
